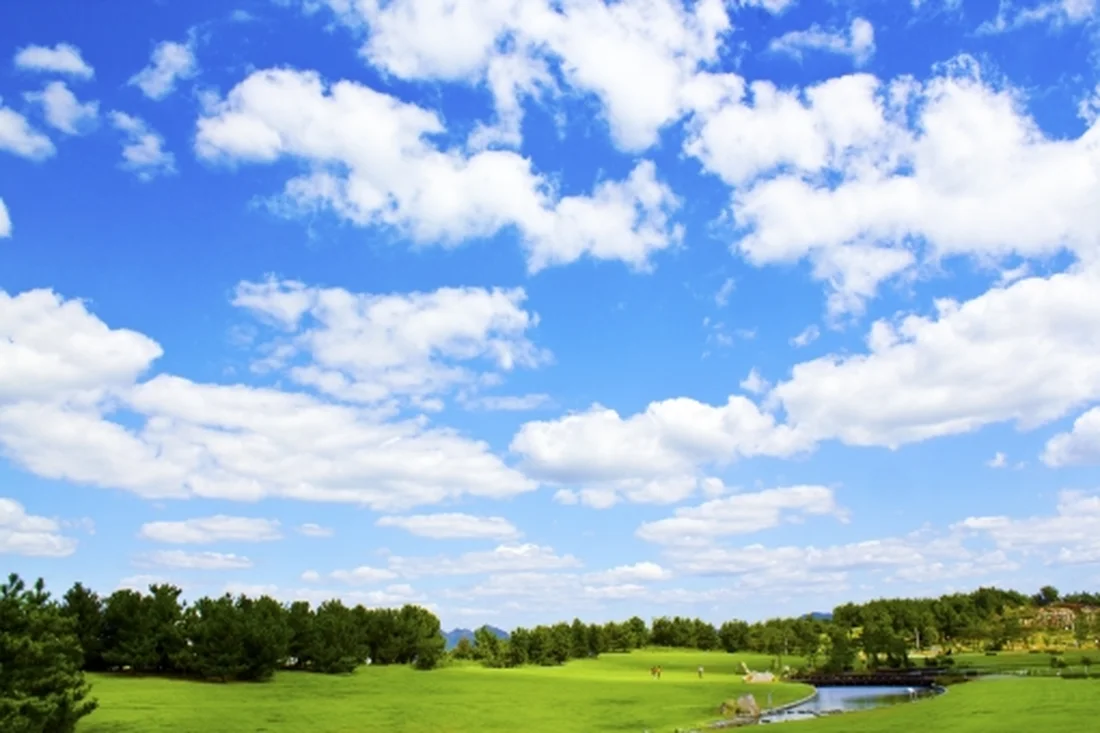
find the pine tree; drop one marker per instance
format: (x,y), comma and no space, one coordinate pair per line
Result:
(42,689)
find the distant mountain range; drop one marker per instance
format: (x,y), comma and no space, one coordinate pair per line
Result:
(819,616)
(454,635)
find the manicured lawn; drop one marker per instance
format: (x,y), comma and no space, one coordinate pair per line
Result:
(1020,705)
(1022,660)
(613,693)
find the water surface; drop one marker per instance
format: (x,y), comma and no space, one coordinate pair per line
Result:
(849,699)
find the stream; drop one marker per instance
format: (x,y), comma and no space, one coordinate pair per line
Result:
(830,700)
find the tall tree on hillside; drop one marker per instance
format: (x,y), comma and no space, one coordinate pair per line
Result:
(85,608)
(42,689)
(1047,596)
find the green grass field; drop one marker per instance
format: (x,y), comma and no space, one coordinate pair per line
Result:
(1020,705)
(613,693)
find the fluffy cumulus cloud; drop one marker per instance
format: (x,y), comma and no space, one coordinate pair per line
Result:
(207,530)
(170,63)
(5,221)
(886,173)
(1081,445)
(858,41)
(18,137)
(31,536)
(453,526)
(657,456)
(636,57)
(370,348)
(64,374)
(63,110)
(143,150)
(63,58)
(1023,353)
(396,176)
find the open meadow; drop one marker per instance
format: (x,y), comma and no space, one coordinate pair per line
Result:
(612,693)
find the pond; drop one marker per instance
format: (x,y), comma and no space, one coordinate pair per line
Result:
(831,700)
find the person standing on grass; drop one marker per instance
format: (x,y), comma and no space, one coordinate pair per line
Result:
(700,671)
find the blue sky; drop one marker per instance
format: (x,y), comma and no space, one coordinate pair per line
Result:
(525,310)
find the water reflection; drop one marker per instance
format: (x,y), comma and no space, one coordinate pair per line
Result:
(848,699)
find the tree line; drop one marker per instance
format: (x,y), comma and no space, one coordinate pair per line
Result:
(46,645)
(881,632)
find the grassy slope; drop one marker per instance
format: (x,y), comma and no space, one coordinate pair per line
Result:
(1006,706)
(613,693)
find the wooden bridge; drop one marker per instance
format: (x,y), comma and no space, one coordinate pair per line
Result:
(887,678)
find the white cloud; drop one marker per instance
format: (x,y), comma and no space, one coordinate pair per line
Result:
(722,297)
(5,221)
(506,403)
(63,58)
(741,514)
(656,456)
(51,348)
(31,536)
(169,63)
(999,460)
(391,596)
(197,560)
(207,530)
(363,575)
(859,42)
(635,56)
(63,110)
(509,558)
(453,526)
(311,576)
(772,6)
(396,177)
(370,348)
(1081,445)
(806,337)
(18,137)
(1011,16)
(1024,353)
(754,383)
(143,150)
(1069,537)
(640,572)
(59,365)
(141,582)
(315,530)
(884,175)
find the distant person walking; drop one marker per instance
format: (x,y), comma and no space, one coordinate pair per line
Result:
(700,671)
